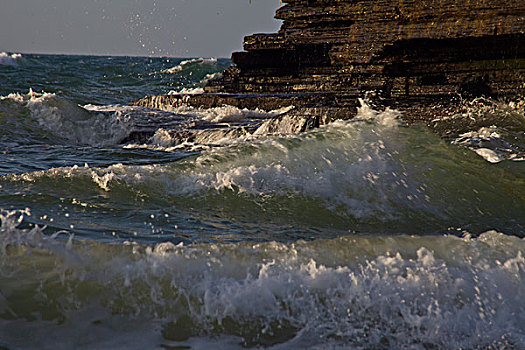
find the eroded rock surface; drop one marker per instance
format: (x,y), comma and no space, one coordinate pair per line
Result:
(418,56)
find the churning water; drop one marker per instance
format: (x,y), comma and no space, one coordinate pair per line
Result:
(361,234)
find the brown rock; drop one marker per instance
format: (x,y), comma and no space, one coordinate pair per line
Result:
(329,52)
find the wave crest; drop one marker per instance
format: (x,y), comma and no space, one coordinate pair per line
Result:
(396,292)
(49,117)
(188,64)
(7,59)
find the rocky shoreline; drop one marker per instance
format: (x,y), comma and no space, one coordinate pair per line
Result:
(421,57)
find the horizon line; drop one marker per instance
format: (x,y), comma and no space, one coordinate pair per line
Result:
(107,54)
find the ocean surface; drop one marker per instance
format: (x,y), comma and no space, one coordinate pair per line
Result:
(364,234)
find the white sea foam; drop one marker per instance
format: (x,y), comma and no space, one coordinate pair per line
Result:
(353,164)
(187,91)
(492,129)
(388,117)
(184,64)
(227,113)
(198,89)
(362,170)
(220,126)
(362,292)
(203,126)
(189,127)
(489,155)
(65,120)
(169,144)
(7,59)
(491,145)
(211,76)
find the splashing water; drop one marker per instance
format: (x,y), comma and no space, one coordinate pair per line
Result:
(196,228)
(403,291)
(9,59)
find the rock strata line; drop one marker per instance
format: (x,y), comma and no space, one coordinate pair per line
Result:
(422,56)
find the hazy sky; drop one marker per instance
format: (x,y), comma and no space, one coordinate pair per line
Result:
(177,28)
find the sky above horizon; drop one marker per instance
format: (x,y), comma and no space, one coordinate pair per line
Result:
(173,28)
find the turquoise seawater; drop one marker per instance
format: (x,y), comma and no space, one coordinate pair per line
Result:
(364,234)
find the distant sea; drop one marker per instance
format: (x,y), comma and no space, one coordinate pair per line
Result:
(364,234)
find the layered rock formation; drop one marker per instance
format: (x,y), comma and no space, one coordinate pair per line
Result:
(410,53)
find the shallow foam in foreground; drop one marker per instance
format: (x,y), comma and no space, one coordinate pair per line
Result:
(403,291)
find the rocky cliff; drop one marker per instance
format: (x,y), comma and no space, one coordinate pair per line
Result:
(410,53)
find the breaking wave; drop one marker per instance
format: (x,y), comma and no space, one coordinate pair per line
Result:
(365,175)
(492,129)
(129,227)
(386,292)
(47,117)
(494,144)
(7,59)
(190,64)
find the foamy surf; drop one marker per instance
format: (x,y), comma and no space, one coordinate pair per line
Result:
(187,91)
(493,144)
(7,59)
(492,129)
(221,228)
(393,292)
(357,173)
(187,64)
(52,118)
(174,128)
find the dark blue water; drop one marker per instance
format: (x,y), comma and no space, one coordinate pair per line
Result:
(123,227)
(103,80)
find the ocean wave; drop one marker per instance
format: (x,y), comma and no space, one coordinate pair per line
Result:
(492,143)
(198,89)
(177,127)
(7,59)
(228,114)
(47,116)
(211,76)
(187,91)
(366,173)
(187,64)
(395,292)
(492,129)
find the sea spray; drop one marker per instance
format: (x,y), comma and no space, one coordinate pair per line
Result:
(188,64)
(403,291)
(363,175)
(492,129)
(364,233)
(54,119)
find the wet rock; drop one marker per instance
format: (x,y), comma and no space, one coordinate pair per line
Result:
(330,52)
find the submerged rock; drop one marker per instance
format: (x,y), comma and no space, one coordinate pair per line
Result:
(419,56)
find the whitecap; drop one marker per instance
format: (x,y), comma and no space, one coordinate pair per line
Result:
(64,120)
(187,91)
(359,292)
(489,155)
(187,63)
(491,143)
(227,113)
(7,59)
